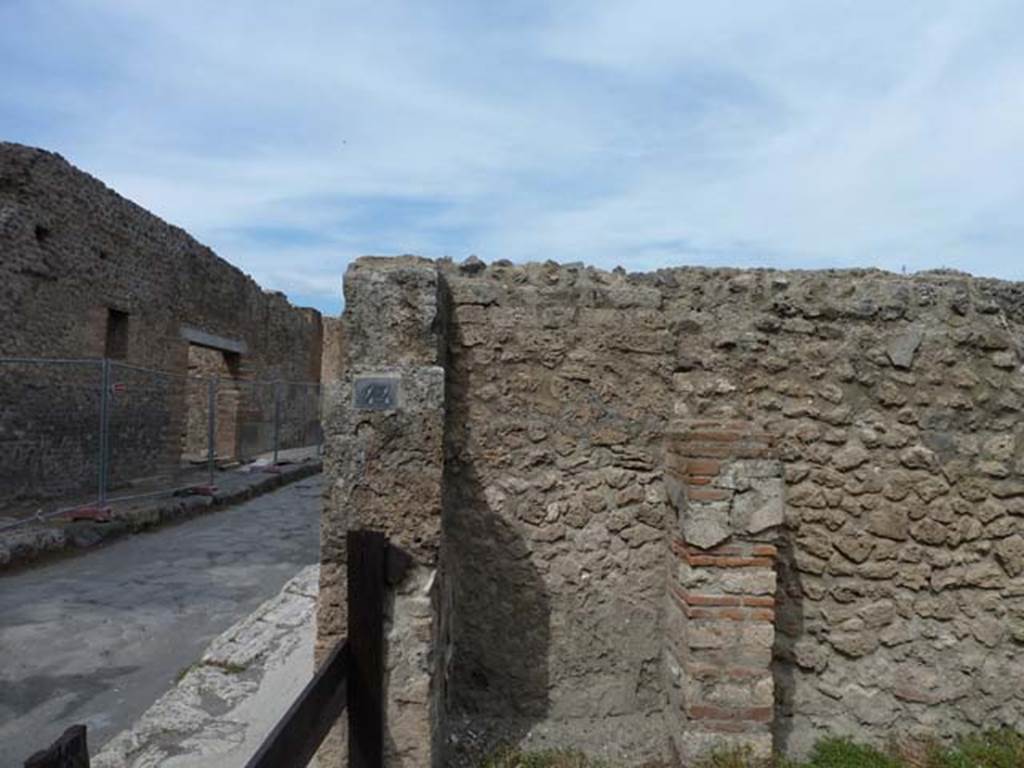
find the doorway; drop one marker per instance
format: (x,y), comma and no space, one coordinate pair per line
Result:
(206,364)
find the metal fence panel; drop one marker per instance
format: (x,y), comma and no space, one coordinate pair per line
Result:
(300,430)
(88,432)
(50,432)
(146,426)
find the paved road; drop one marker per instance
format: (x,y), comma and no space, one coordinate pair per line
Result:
(99,637)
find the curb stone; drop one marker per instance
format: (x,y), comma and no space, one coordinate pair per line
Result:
(222,706)
(34,544)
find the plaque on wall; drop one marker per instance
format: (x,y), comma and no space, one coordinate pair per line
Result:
(376,394)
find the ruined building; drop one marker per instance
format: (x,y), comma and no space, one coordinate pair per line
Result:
(85,273)
(654,514)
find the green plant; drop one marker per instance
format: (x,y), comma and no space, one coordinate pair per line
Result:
(227,666)
(184,671)
(508,757)
(844,753)
(990,749)
(734,757)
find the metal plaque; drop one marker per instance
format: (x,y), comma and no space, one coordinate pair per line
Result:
(376,394)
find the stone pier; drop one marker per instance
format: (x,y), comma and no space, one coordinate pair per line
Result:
(728,494)
(384,461)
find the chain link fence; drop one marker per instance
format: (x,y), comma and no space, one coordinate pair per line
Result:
(80,435)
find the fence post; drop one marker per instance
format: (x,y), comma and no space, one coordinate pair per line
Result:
(69,751)
(104,457)
(319,420)
(277,419)
(366,560)
(211,425)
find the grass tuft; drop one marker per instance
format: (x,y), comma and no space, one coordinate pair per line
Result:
(989,749)
(227,666)
(507,757)
(734,757)
(843,753)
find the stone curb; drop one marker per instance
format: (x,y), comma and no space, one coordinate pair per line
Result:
(222,706)
(35,544)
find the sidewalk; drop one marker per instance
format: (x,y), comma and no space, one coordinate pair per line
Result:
(39,539)
(229,700)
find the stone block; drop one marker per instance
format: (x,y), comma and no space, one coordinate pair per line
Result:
(694,745)
(747,581)
(705,525)
(729,694)
(1010,555)
(889,522)
(901,349)
(760,507)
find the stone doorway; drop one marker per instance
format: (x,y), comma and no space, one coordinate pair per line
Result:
(206,364)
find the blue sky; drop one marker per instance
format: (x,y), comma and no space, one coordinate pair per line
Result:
(293,137)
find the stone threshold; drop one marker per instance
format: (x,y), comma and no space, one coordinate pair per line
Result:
(42,542)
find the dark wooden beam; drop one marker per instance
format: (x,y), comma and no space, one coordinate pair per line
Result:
(298,735)
(367,556)
(69,751)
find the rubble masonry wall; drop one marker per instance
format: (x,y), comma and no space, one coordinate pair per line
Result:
(72,250)
(700,505)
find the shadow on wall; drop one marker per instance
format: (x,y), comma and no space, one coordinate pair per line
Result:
(498,671)
(789,630)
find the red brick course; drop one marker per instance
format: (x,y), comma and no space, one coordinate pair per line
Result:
(711,561)
(708,467)
(694,480)
(711,600)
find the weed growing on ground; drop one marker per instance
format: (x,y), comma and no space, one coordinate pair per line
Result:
(507,757)
(225,666)
(990,749)
(184,671)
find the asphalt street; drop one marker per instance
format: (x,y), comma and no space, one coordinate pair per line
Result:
(97,638)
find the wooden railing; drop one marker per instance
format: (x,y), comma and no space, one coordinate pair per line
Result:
(298,735)
(69,751)
(351,677)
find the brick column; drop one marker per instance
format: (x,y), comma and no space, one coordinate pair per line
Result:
(729,496)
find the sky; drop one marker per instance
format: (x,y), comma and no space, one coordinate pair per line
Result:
(294,137)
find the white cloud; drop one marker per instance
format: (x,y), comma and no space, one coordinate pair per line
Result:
(293,137)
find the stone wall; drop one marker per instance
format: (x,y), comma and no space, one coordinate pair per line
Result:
(556,523)
(333,349)
(704,506)
(74,248)
(85,273)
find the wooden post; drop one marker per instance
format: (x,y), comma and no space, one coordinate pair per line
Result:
(366,564)
(69,751)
